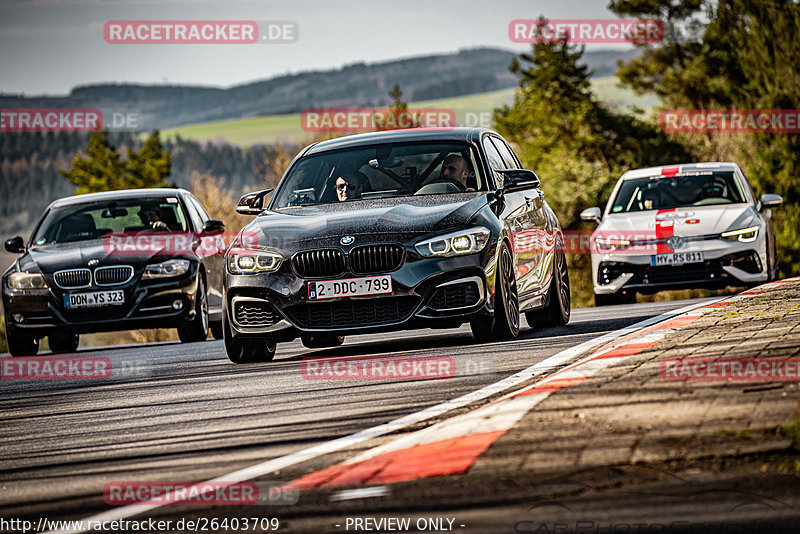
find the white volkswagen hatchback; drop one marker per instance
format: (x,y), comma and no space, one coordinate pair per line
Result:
(681,226)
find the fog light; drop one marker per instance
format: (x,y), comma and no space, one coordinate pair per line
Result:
(178,304)
(18,318)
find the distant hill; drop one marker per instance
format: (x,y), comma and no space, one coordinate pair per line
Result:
(432,77)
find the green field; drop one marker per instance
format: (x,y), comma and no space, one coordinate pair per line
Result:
(471,110)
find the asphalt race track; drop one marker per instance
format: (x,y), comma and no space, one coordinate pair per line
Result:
(185,413)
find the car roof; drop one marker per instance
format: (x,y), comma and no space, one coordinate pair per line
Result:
(155,192)
(679,168)
(462,134)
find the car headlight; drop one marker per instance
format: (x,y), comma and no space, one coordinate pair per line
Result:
(243,261)
(455,244)
(166,269)
(745,235)
(26,281)
(610,244)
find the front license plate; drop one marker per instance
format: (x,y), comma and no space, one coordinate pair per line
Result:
(678,258)
(98,298)
(350,287)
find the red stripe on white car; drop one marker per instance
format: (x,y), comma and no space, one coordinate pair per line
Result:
(665,228)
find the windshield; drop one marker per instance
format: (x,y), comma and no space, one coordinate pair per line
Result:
(381,171)
(81,222)
(703,188)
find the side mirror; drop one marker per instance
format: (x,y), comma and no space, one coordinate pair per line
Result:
(213,226)
(592,214)
(15,245)
(518,179)
(252,203)
(771,201)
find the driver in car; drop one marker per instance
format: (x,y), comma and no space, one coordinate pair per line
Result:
(151,218)
(348,186)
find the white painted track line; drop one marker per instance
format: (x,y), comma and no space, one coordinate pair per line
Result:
(276,464)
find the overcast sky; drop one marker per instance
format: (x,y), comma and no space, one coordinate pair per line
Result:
(51,46)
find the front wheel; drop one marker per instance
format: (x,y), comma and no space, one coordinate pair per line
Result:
(558,308)
(66,342)
(505,323)
(197,329)
(20,344)
(247,350)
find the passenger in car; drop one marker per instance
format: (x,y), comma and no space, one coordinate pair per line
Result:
(455,168)
(650,199)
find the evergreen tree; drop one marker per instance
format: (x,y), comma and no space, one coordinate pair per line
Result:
(101,168)
(743,55)
(150,166)
(576,146)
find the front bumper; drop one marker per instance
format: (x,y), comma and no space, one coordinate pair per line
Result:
(729,266)
(148,304)
(426,292)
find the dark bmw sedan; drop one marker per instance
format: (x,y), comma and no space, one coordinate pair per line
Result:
(395,230)
(110,261)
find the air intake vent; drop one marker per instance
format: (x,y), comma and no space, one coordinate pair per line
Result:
(112,276)
(73,278)
(354,313)
(254,313)
(313,263)
(376,259)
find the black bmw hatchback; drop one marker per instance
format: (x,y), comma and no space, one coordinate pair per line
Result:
(395,230)
(111,261)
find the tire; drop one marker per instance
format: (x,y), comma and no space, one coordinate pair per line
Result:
(558,308)
(623,297)
(63,342)
(21,344)
(247,350)
(505,323)
(216,330)
(197,329)
(322,341)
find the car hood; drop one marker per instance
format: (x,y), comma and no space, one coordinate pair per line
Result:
(76,255)
(688,221)
(388,219)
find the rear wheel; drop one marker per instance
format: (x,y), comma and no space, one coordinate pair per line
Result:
(20,344)
(63,342)
(558,308)
(505,323)
(322,341)
(247,350)
(197,329)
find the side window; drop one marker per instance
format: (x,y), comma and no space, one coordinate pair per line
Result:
(200,209)
(197,220)
(508,156)
(495,160)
